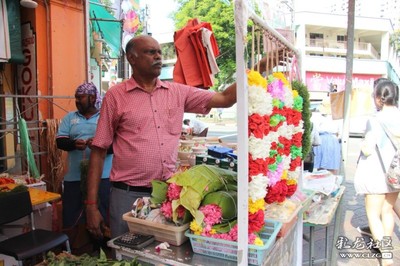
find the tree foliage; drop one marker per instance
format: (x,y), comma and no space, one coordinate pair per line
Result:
(220,15)
(395,41)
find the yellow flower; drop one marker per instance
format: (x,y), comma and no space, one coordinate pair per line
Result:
(284,174)
(196,229)
(255,206)
(212,232)
(295,93)
(258,242)
(291,182)
(255,78)
(281,76)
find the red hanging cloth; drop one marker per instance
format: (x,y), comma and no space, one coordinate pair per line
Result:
(192,66)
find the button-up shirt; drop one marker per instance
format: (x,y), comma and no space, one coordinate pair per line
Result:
(144,128)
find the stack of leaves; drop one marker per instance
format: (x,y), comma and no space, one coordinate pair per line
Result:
(206,195)
(186,190)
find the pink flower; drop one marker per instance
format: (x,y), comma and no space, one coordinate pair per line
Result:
(252,238)
(173,191)
(166,209)
(276,89)
(181,211)
(275,176)
(234,232)
(212,214)
(224,236)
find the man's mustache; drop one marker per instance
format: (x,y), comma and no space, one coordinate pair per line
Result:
(158,62)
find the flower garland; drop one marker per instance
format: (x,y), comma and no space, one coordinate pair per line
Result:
(275,138)
(275,151)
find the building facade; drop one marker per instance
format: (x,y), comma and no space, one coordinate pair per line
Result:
(321,39)
(48,48)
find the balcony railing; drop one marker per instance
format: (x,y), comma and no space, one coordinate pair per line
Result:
(339,47)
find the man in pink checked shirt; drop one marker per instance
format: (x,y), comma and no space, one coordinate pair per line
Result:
(142,119)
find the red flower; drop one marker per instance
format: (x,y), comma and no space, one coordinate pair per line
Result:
(258,125)
(274,146)
(256,221)
(285,150)
(296,139)
(258,166)
(181,211)
(295,163)
(277,193)
(291,189)
(256,118)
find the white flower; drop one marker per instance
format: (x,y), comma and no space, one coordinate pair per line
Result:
(288,98)
(273,136)
(260,102)
(294,174)
(259,148)
(299,128)
(285,130)
(286,161)
(258,187)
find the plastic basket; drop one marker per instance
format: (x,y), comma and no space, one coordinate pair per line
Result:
(224,249)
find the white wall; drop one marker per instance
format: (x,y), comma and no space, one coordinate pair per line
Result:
(338,65)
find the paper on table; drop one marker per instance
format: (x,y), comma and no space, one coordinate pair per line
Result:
(321,181)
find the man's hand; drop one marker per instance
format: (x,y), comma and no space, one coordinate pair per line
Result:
(94,221)
(273,59)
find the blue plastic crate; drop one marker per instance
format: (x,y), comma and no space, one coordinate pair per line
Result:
(224,249)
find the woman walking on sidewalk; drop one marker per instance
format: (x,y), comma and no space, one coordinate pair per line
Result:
(370,177)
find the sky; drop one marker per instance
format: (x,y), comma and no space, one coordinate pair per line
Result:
(161,27)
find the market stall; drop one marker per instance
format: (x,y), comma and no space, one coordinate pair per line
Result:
(265,168)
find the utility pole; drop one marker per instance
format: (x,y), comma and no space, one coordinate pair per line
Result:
(145,16)
(348,84)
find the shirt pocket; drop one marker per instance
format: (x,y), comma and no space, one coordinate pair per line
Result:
(173,119)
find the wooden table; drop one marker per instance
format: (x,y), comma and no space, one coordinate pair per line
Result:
(38,196)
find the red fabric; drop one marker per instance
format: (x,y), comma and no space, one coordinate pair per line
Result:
(192,67)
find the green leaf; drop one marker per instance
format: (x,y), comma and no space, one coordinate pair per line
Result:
(224,227)
(159,191)
(200,180)
(226,200)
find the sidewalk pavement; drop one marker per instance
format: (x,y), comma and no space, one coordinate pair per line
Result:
(352,215)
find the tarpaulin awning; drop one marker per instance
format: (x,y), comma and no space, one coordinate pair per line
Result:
(14,28)
(107,27)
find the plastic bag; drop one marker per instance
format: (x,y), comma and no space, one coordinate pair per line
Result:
(393,173)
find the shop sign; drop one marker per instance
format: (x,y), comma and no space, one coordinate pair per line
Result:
(318,81)
(27,82)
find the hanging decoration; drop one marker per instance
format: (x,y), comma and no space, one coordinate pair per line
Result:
(275,127)
(131,22)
